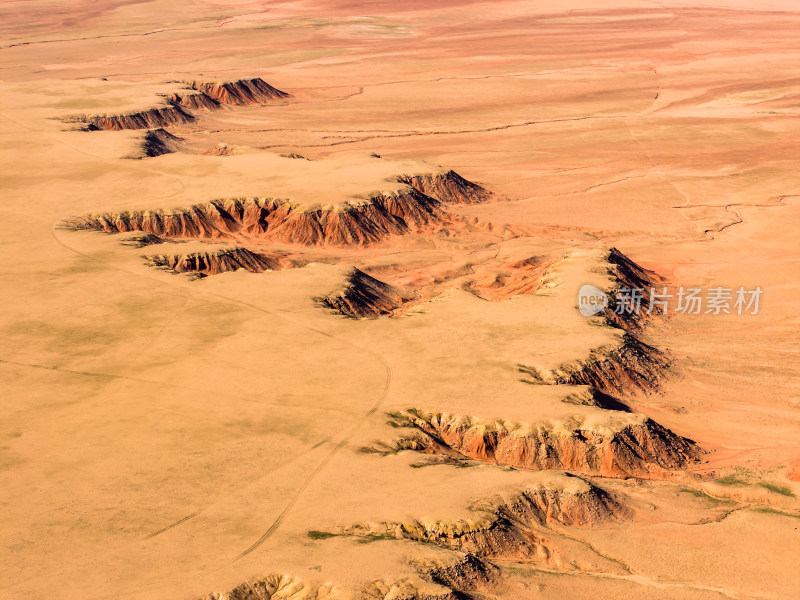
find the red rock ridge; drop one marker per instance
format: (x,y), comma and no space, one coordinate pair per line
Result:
(630,367)
(207,96)
(222,261)
(367,297)
(157,142)
(275,220)
(243,92)
(147,119)
(448,187)
(640,447)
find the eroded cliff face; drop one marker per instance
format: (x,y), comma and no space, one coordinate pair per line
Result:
(596,398)
(509,528)
(625,446)
(243,92)
(280,221)
(279,587)
(632,366)
(453,579)
(195,101)
(222,261)
(466,575)
(157,142)
(448,187)
(152,118)
(367,297)
(629,275)
(200,96)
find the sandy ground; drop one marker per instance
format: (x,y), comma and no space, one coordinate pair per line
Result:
(165,437)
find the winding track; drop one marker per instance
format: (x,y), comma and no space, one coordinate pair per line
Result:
(275,525)
(320,466)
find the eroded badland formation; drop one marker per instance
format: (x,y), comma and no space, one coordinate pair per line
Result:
(291,300)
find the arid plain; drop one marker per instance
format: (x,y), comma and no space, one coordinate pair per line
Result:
(290,299)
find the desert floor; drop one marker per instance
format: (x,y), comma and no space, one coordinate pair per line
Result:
(168,436)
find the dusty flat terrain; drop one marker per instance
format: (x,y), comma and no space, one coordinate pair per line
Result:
(290,299)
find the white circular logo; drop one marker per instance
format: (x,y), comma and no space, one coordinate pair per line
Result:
(591,300)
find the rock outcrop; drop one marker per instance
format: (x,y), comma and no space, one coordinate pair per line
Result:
(152,118)
(446,580)
(278,587)
(221,261)
(628,367)
(627,445)
(509,528)
(202,96)
(281,221)
(195,101)
(626,274)
(594,397)
(447,187)
(243,92)
(156,142)
(223,149)
(469,574)
(365,297)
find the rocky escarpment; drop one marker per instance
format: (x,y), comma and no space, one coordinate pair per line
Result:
(152,118)
(259,589)
(222,261)
(627,275)
(469,574)
(629,367)
(142,240)
(243,92)
(367,297)
(509,528)
(596,398)
(626,446)
(195,101)
(277,220)
(447,187)
(451,579)
(406,589)
(157,142)
(204,96)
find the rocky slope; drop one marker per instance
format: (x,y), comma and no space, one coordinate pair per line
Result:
(204,96)
(509,528)
(468,574)
(152,118)
(447,187)
(243,92)
(439,580)
(628,367)
(156,142)
(276,220)
(596,398)
(367,297)
(221,261)
(195,101)
(626,274)
(223,149)
(627,446)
